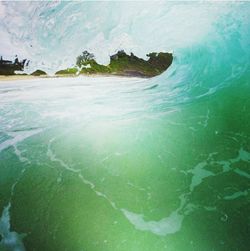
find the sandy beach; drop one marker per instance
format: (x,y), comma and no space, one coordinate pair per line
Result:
(4,78)
(16,77)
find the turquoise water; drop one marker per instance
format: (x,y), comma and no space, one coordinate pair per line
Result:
(109,163)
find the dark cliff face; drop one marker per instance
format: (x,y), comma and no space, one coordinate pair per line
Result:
(160,61)
(8,67)
(124,64)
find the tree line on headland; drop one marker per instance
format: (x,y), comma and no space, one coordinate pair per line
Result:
(120,64)
(8,67)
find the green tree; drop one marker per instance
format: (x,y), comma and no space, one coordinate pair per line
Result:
(85,58)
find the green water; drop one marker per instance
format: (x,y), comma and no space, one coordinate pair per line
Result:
(177,180)
(117,164)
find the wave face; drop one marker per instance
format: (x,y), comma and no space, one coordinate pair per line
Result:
(211,49)
(123,164)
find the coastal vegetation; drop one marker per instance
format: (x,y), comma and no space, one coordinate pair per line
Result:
(38,73)
(121,64)
(8,67)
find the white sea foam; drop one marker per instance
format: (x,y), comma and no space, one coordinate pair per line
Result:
(199,174)
(168,225)
(236,195)
(10,240)
(18,137)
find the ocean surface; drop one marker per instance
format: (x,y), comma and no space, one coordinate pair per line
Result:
(130,164)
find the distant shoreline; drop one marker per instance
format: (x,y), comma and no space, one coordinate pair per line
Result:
(16,77)
(6,78)
(121,64)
